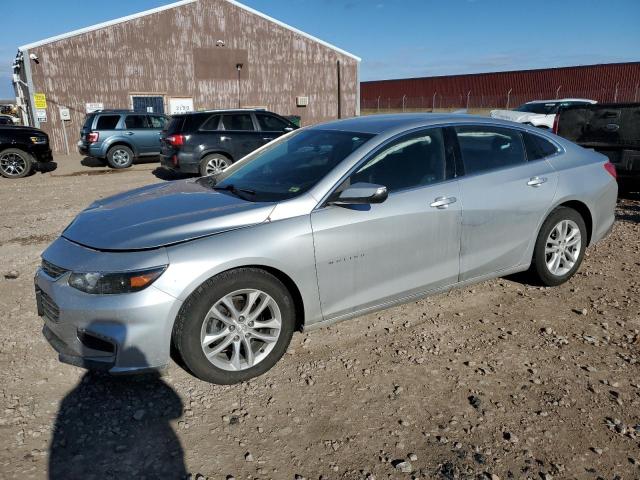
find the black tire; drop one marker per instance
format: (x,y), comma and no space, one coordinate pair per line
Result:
(187,329)
(16,163)
(218,159)
(120,156)
(539,267)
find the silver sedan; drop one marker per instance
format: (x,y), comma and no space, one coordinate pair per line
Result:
(324,224)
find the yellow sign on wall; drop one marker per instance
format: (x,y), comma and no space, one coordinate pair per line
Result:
(40,99)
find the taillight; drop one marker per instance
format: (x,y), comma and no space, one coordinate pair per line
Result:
(609,167)
(93,137)
(175,140)
(556,121)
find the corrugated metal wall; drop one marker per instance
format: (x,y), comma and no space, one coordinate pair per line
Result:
(608,82)
(154,54)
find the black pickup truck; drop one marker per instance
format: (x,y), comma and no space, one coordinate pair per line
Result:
(22,150)
(612,129)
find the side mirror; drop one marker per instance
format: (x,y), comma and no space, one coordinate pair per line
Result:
(361,194)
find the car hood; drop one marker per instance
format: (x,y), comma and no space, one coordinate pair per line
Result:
(162,214)
(515,116)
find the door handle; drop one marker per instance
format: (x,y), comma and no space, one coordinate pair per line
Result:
(129,133)
(267,139)
(536,181)
(442,202)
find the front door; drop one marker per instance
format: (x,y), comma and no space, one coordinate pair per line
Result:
(370,255)
(505,198)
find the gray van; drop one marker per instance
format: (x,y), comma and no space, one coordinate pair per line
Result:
(120,136)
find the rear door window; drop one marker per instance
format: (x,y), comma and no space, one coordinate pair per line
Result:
(537,147)
(136,121)
(485,148)
(107,122)
(211,124)
(237,121)
(270,123)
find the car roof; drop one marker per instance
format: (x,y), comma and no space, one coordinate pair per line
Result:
(225,110)
(389,123)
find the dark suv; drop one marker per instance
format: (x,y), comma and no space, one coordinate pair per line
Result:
(207,142)
(119,136)
(22,149)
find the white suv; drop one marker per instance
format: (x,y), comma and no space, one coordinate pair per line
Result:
(539,113)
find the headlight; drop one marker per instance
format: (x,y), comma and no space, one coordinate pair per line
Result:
(38,140)
(111,283)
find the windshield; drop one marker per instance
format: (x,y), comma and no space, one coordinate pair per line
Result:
(290,166)
(543,108)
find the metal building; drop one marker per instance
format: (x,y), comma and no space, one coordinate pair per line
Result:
(614,82)
(192,54)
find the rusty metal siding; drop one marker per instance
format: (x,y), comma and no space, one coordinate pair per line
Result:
(154,54)
(598,82)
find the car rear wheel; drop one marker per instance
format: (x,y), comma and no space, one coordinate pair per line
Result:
(120,156)
(213,164)
(235,326)
(15,163)
(560,247)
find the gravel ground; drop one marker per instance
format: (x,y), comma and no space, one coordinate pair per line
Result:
(498,380)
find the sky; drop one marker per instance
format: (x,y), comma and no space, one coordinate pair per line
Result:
(394,38)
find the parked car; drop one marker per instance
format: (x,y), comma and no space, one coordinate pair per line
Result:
(326,223)
(8,120)
(118,137)
(540,113)
(612,129)
(22,150)
(207,142)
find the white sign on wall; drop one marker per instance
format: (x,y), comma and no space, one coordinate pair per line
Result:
(180,105)
(65,114)
(92,107)
(41,115)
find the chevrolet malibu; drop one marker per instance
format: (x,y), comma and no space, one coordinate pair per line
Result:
(324,224)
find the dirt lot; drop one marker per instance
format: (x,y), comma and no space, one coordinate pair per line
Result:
(500,380)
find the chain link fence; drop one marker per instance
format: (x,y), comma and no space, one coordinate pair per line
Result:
(479,103)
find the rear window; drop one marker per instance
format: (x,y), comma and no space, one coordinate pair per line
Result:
(175,124)
(238,121)
(107,122)
(486,148)
(537,147)
(88,121)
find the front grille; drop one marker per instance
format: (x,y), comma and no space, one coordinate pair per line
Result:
(49,307)
(52,270)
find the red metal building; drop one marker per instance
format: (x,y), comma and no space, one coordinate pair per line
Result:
(604,83)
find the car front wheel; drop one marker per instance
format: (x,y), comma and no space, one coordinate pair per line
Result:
(15,163)
(560,247)
(235,326)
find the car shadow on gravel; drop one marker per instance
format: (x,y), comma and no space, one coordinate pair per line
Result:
(111,427)
(168,175)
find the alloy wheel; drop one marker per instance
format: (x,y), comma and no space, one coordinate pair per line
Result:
(562,248)
(13,164)
(241,329)
(216,165)
(120,157)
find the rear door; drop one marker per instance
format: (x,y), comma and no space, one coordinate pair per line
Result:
(239,136)
(138,129)
(157,123)
(504,198)
(272,126)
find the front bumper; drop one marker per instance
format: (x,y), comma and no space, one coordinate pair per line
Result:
(126,333)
